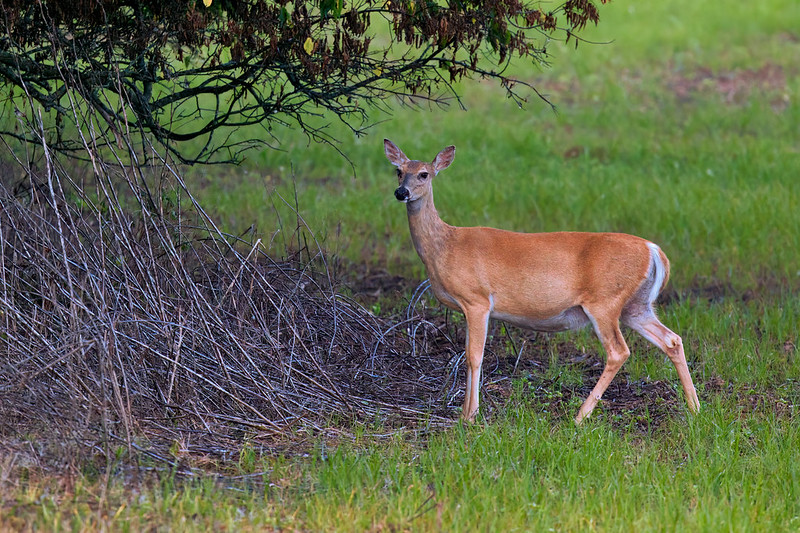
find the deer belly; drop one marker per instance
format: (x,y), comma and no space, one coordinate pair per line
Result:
(572,318)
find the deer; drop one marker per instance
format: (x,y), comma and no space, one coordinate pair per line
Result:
(546,282)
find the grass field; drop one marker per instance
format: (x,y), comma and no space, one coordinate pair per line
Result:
(684,129)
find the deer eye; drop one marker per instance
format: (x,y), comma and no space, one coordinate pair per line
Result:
(423,175)
(399,173)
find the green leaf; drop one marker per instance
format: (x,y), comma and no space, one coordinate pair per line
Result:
(331,7)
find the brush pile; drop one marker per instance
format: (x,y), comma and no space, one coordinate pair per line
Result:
(128,318)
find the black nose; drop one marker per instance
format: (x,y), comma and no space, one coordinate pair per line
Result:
(402,194)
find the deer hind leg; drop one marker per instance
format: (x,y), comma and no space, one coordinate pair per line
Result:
(477,327)
(617,352)
(647,324)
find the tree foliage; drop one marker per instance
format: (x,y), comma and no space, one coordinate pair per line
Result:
(195,70)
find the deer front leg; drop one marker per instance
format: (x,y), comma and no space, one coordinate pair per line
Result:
(477,327)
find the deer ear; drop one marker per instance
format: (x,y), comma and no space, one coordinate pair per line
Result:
(393,153)
(444,158)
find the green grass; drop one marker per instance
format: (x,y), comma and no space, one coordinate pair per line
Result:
(523,473)
(727,469)
(711,175)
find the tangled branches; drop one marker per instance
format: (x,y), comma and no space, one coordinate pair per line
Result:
(122,324)
(186,75)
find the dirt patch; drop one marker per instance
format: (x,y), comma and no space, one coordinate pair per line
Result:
(733,86)
(560,386)
(368,284)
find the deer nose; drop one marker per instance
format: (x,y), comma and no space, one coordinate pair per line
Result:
(402,194)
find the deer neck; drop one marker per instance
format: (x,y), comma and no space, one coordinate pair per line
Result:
(428,232)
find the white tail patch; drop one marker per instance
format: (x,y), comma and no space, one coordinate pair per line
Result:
(658,275)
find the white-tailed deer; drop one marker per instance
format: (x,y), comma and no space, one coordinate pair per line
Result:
(541,281)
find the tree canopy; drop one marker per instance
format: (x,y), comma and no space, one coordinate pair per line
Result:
(195,70)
